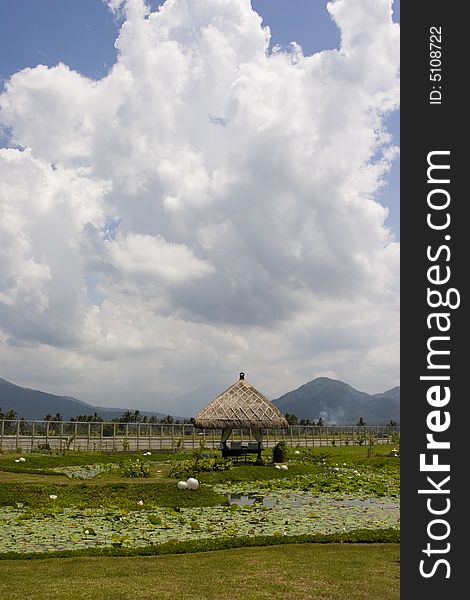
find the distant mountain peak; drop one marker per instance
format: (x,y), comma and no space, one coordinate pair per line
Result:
(333,400)
(339,403)
(34,404)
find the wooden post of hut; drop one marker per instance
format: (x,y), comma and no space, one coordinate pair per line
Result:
(241,406)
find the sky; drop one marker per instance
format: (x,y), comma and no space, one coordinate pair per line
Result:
(194,188)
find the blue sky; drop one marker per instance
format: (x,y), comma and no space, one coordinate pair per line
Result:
(81,34)
(244,190)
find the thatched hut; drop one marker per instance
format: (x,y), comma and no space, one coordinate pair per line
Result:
(241,406)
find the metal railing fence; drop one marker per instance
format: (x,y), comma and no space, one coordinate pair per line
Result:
(29,436)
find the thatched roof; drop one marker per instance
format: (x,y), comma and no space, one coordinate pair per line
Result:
(241,405)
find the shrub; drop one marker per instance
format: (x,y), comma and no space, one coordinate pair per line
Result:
(135,468)
(316,456)
(185,468)
(280,452)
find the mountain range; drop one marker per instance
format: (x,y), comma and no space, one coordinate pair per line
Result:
(33,404)
(338,403)
(334,401)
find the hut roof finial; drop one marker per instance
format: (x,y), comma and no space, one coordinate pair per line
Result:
(242,375)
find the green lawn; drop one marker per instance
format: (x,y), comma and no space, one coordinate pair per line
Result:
(294,572)
(323,492)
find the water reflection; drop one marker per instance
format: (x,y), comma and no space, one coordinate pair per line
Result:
(298,501)
(250,499)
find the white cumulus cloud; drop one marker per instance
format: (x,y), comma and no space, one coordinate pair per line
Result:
(208,206)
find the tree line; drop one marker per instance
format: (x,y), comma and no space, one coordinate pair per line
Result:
(129,416)
(294,420)
(135,416)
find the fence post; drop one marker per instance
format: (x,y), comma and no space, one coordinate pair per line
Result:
(47,432)
(3,431)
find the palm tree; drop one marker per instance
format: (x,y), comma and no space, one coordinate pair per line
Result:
(11,415)
(292,419)
(126,417)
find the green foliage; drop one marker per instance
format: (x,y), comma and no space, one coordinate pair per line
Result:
(292,419)
(339,481)
(113,495)
(314,456)
(135,468)
(152,512)
(155,519)
(198,464)
(280,452)
(223,543)
(85,472)
(44,463)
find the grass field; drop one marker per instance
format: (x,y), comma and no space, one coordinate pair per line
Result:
(142,538)
(294,572)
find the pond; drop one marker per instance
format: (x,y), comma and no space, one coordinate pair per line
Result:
(250,499)
(297,500)
(277,513)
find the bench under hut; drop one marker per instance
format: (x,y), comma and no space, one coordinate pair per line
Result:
(241,406)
